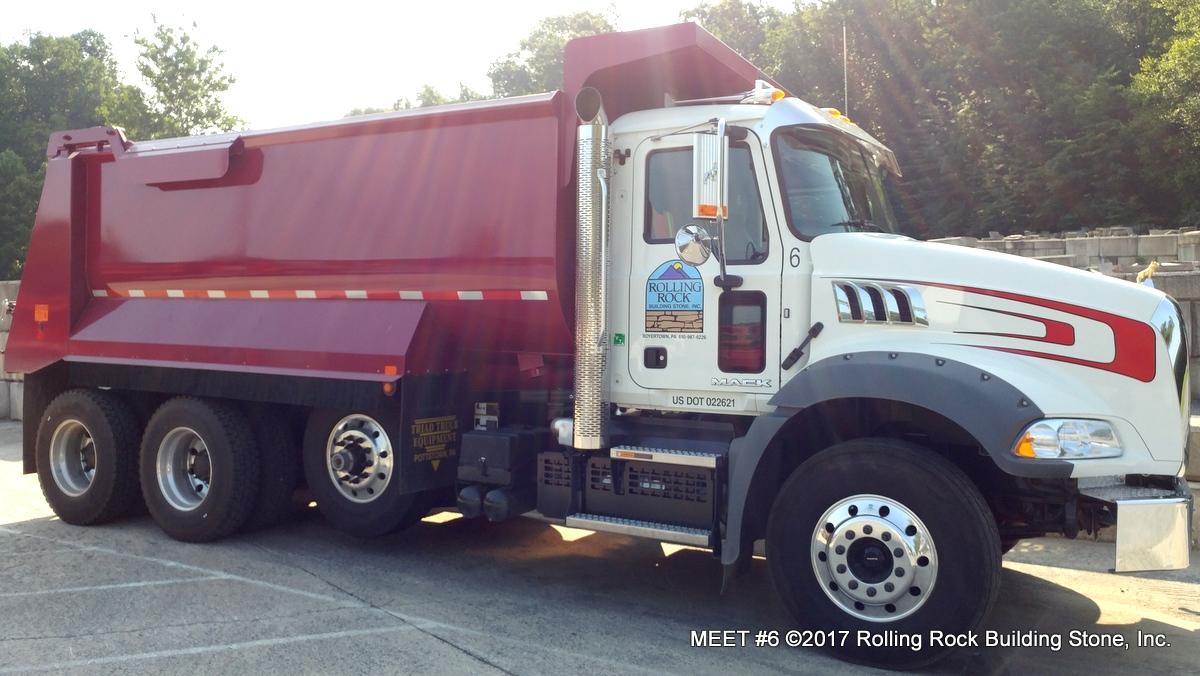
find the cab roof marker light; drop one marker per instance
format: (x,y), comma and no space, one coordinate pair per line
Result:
(764,93)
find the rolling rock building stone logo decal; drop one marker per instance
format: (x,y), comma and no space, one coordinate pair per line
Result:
(675,299)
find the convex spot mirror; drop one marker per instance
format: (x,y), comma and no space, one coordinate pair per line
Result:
(692,245)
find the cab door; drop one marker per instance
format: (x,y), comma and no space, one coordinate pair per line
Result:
(693,345)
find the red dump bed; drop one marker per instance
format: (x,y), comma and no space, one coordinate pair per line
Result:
(369,247)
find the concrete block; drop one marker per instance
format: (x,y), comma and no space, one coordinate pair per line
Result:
(1129,262)
(1083,246)
(1156,246)
(1066,260)
(1188,252)
(1189,237)
(958,241)
(1193,467)
(1118,246)
(1183,286)
(1049,247)
(16,400)
(991,244)
(1189,319)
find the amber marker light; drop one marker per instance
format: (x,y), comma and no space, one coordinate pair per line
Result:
(389,370)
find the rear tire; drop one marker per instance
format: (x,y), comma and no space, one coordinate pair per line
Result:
(944,574)
(199,469)
(279,469)
(87,444)
(371,506)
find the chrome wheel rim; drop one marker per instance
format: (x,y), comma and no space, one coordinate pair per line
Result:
(72,457)
(184,469)
(874,558)
(359,458)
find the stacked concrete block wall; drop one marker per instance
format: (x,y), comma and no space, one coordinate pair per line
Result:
(1107,248)
(11,387)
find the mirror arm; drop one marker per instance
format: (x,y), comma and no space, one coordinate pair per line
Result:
(726,281)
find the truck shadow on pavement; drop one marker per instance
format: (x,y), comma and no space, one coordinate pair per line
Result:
(530,583)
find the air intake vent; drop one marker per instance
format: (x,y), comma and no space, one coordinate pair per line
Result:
(877,303)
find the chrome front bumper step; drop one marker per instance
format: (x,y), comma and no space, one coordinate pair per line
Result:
(1153,524)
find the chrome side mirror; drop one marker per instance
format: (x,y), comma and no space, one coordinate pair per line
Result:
(692,244)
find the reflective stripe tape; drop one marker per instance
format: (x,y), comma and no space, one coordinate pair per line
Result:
(331,294)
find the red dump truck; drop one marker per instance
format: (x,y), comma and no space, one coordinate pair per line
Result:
(665,302)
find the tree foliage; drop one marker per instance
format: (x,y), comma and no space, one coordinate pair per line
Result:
(53,83)
(186,82)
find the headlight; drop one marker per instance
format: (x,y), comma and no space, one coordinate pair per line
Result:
(1069,439)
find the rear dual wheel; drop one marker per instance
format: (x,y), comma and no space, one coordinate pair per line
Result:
(87,455)
(199,469)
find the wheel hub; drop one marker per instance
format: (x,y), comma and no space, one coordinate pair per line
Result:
(874,558)
(184,469)
(359,458)
(72,457)
(869,560)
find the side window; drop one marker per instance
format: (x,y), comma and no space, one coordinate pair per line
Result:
(669,202)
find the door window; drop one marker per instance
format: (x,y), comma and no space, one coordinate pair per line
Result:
(669,202)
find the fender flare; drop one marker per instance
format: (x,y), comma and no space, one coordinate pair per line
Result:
(989,408)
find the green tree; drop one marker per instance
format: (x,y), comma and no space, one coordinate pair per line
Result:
(537,66)
(744,26)
(186,83)
(53,83)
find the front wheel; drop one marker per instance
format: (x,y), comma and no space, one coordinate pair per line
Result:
(883,537)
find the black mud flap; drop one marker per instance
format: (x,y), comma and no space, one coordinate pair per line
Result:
(435,412)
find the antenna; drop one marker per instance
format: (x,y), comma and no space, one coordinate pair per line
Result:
(845,72)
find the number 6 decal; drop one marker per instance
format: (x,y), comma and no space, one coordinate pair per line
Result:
(794,257)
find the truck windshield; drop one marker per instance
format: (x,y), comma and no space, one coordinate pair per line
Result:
(829,185)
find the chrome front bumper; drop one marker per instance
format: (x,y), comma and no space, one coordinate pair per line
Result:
(1153,525)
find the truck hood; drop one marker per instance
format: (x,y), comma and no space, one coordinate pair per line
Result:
(876,256)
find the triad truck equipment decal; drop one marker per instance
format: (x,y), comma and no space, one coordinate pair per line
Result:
(675,299)
(434,439)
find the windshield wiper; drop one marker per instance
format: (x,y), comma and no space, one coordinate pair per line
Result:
(861,225)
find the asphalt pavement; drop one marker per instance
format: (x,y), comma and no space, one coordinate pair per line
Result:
(465,597)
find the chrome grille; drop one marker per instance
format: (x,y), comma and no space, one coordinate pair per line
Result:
(879,303)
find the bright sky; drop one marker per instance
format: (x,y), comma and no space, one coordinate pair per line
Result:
(299,62)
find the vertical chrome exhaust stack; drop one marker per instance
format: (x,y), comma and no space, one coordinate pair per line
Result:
(591,266)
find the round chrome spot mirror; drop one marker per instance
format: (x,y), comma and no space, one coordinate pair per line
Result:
(692,244)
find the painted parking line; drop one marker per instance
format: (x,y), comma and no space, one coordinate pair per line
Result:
(208,572)
(411,621)
(101,587)
(203,650)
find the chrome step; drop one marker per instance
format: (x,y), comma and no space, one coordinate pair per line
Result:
(665,456)
(1117,493)
(697,537)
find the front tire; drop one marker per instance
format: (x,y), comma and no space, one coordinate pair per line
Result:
(199,469)
(881,535)
(87,444)
(351,465)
